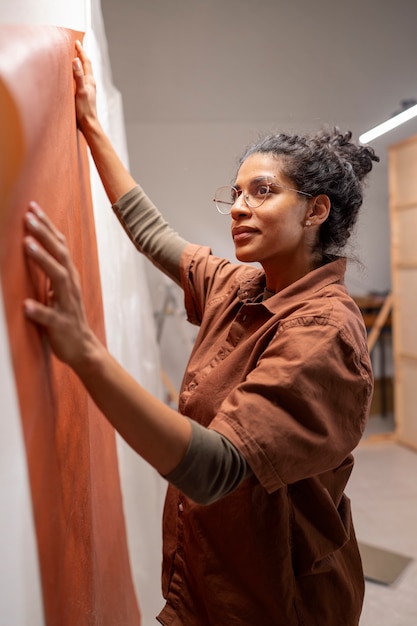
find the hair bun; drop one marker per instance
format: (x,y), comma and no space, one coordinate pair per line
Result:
(353,155)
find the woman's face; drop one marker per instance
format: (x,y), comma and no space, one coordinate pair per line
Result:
(275,233)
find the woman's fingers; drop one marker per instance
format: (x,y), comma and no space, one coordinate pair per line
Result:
(86,65)
(45,232)
(62,314)
(44,220)
(39,313)
(85,95)
(59,276)
(46,246)
(82,66)
(78,75)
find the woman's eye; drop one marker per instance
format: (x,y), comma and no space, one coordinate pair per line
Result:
(262,190)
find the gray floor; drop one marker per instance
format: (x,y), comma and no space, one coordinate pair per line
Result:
(383,490)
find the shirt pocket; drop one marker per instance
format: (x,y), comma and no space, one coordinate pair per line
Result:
(319,528)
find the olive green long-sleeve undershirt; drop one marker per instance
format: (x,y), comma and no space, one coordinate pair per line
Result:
(212,467)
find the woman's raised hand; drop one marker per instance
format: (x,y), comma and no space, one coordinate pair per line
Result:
(85,94)
(62,316)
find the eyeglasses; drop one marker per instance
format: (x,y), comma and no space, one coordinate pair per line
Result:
(254,196)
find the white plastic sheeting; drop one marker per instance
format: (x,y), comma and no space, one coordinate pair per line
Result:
(130,338)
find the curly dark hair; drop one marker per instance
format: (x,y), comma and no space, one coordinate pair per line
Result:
(330,163)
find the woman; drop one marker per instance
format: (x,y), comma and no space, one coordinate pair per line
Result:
(257,529)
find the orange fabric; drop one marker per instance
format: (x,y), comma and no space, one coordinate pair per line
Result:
(70,447)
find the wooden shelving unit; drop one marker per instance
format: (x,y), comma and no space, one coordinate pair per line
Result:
(403,214)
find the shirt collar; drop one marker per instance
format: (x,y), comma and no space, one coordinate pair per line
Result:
(254,284)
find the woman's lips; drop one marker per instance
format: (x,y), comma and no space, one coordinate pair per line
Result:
(240,233)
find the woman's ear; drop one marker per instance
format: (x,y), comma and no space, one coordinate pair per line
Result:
(319,209)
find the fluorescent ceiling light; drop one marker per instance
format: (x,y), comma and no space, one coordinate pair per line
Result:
(393,122)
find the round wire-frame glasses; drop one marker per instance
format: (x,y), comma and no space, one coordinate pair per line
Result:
(254,196)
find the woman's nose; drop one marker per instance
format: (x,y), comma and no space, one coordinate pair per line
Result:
(240,206)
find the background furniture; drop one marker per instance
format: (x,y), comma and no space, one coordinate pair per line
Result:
(376,312)
(403,212)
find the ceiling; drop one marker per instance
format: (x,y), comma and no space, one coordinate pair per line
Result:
(265,61)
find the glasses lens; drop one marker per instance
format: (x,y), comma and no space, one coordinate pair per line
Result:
(257,192)
(225,197)
(255,195)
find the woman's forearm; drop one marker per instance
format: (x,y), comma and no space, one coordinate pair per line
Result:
(158,433)
(116,179)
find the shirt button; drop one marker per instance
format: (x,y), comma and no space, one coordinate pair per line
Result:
(180,507)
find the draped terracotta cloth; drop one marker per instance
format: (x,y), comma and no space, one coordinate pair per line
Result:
(70,448)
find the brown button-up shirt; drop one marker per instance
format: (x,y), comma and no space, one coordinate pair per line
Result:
(288,381)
